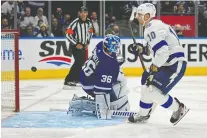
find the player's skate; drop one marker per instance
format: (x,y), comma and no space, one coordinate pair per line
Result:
(179,114)
(138,118)
(69,85)
(78,84)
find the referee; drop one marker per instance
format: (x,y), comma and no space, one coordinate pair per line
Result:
(79,34)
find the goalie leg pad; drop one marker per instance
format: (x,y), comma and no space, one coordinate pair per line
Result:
(103,106)
(121,104)
(80,104)
(121,89)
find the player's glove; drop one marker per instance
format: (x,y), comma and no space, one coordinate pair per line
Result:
(145,75)
(139,48)
(153,70)
(136,48)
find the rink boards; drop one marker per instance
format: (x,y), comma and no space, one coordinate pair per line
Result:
(51,58)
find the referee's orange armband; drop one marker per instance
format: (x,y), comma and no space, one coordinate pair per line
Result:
(69,31)
(91,30)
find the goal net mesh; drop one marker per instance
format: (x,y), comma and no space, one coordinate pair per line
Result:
(9,71)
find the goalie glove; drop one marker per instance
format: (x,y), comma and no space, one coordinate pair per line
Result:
(120,60)
(119,57)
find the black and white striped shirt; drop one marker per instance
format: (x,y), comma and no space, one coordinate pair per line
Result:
(80,32)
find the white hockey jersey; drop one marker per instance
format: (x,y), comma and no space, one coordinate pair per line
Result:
(165,45)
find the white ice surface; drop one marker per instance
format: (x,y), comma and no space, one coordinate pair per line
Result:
(41,95)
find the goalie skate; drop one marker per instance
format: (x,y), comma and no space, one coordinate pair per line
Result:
(179,114)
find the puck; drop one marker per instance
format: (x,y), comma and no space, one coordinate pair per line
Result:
(34,69)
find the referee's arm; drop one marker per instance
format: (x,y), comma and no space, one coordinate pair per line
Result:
(70,32)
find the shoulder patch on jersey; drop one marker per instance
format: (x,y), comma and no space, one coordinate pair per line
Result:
(156,22)
(148,25)
(154,25)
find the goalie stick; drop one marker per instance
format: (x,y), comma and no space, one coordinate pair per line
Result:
(115,113)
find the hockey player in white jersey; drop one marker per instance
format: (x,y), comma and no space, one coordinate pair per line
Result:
(167,68)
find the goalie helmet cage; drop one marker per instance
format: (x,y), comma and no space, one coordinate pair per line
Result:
(10,99)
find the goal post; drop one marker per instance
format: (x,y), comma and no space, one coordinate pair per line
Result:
(10,99)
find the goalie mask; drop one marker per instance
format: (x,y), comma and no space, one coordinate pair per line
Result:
(112,43)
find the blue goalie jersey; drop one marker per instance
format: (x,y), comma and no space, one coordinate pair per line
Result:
(99,72)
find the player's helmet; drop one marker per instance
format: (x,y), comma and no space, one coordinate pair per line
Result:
(112,43)
(147,8)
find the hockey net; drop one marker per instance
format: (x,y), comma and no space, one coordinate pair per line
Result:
(9,71)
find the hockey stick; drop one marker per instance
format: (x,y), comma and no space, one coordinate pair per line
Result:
(134,40)
(113,112)
(133,37)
